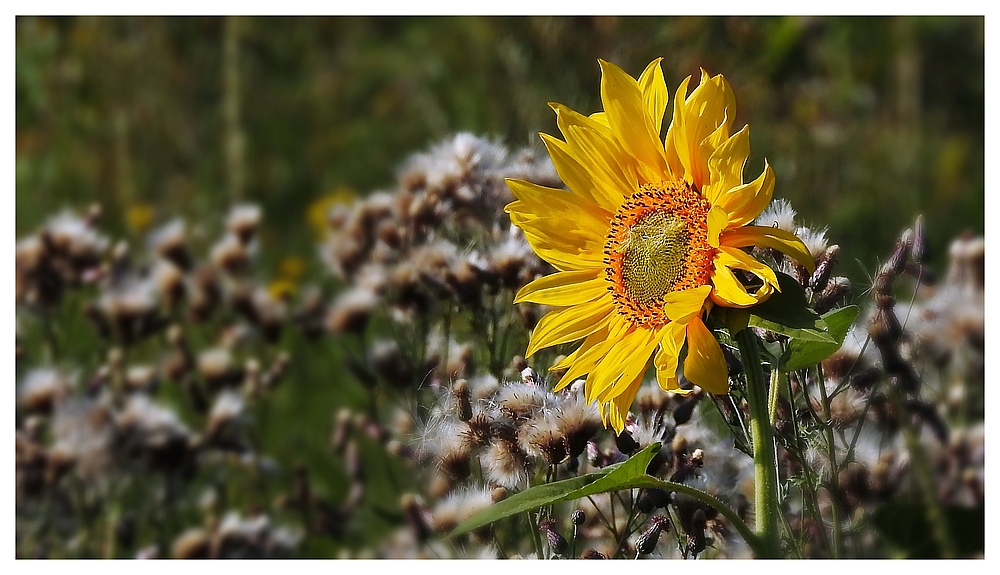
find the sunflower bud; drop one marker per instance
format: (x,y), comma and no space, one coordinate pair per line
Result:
(824,269)
(920,247)
(647,541)
(625,443)
(897,261)
(463,397)
(696,539)
(557,543)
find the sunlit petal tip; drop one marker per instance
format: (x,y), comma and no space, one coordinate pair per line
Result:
(776,238)
(705,365)
(605,66)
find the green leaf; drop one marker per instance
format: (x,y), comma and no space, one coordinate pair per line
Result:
(549,493)
(629,474)
(787,312)
(905,525)
(804,353)
(625,475)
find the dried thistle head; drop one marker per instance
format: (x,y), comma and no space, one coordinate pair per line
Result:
(505,464)
(43,388)
(541,437)
(578,422)
(520,401)
(243,221)
(458,506)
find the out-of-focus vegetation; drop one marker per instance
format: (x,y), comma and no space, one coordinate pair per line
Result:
(866,121)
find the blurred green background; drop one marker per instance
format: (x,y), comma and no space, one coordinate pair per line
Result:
(866,121)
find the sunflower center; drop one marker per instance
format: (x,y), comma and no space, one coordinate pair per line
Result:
(657,244)
(653,256)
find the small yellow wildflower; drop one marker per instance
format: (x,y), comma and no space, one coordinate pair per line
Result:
(319,211)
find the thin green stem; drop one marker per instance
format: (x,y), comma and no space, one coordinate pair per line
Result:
(628,524)
(762,435)
(536,539)
(573,549)
(809,498)
(604,519)
(676,528)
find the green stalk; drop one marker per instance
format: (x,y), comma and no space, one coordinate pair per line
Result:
(762,435)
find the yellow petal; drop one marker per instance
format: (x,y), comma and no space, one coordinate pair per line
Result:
(671,340)
(681,306)
(725,167)
(610,368)
(746,202)
(570,324)
(768,237)
(717,220)
(572,231)
(706,120)
(708,147)
(619,406)
(634,365)
(566,116)
(593,146)
(559,226)
(536,200)
(654,93)
(601,118)
(592,352)
(565,252)
(737,258)
(588,342)
(729,291)
(583,179)
(675,146)
(705,365)
(564,288)
(630,124)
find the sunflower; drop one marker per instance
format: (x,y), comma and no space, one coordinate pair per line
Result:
(647,237)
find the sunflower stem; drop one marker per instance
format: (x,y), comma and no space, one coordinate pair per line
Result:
(762,435)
